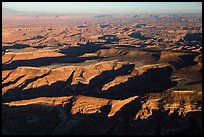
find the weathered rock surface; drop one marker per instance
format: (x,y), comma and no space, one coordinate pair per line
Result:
(168,112)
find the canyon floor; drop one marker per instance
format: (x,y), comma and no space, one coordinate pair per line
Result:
(101,75)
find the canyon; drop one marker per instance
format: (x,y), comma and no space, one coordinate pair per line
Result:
(119,74)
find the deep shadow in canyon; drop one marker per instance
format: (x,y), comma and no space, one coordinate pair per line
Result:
(46,61)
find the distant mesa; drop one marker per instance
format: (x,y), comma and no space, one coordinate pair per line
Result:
(8,11)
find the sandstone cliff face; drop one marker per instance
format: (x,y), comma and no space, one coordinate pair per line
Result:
(90,115)
(41,101)
(33,54)
(109,79)
(45,76)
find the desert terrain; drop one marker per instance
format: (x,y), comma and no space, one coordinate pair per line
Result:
(102,74)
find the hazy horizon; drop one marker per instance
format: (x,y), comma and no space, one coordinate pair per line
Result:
(105,7)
